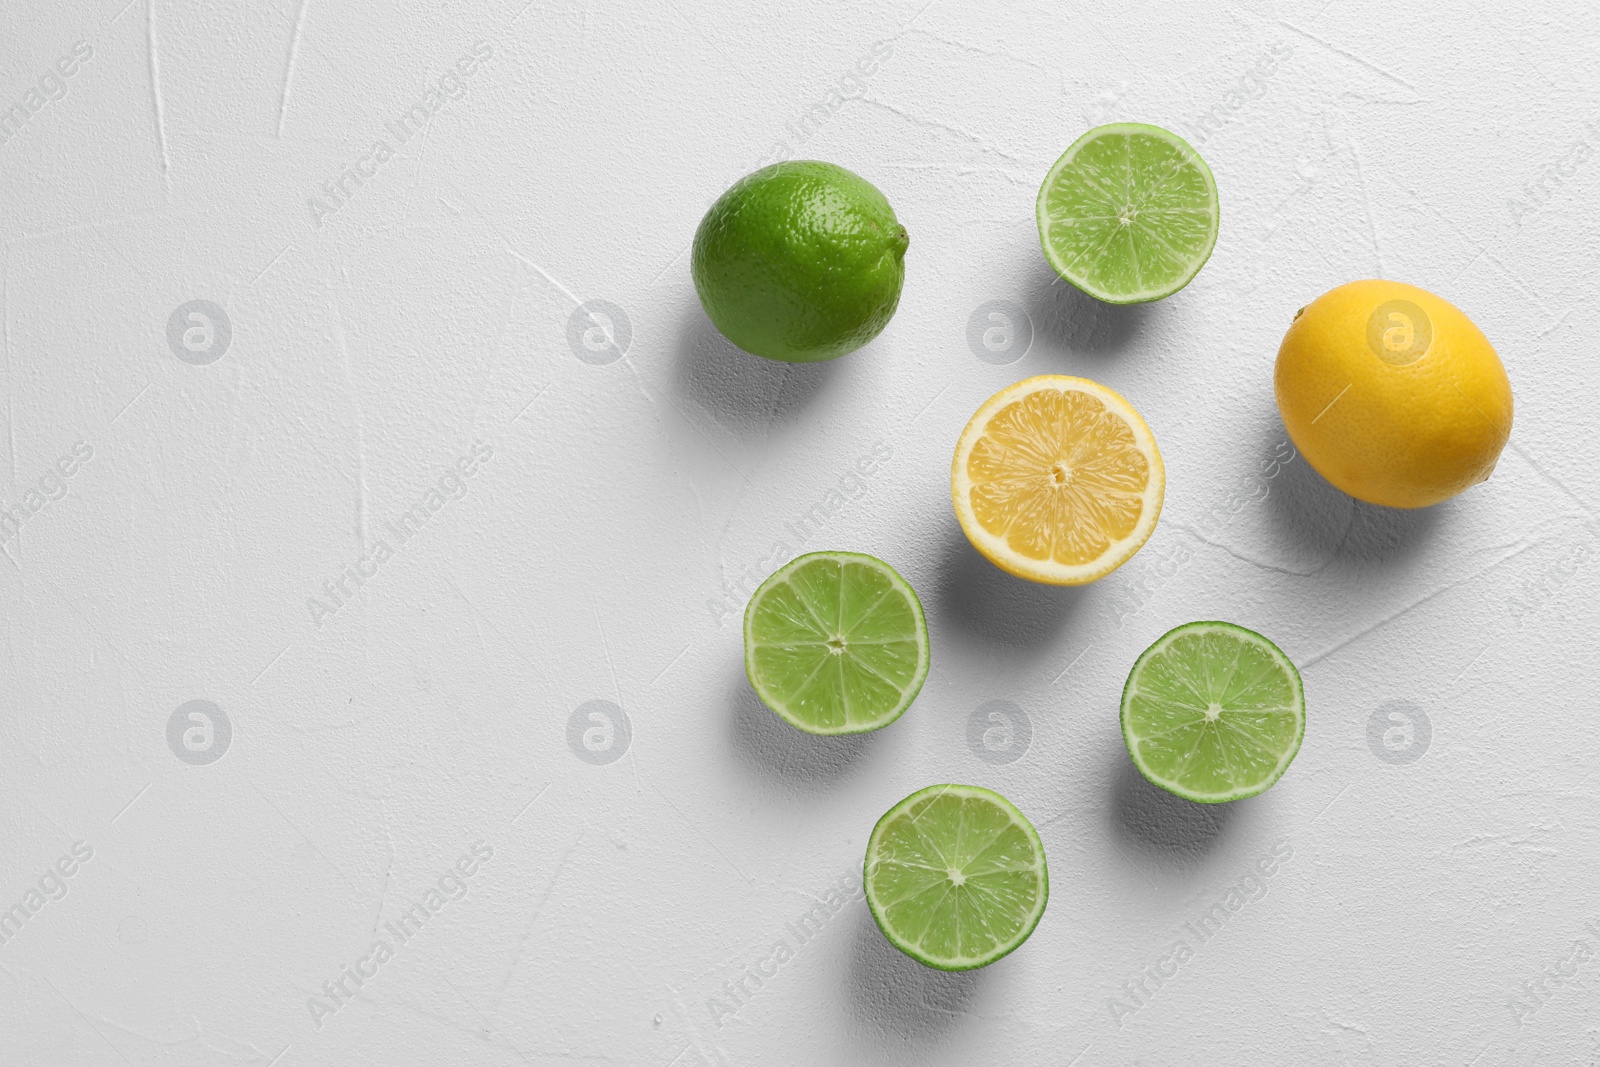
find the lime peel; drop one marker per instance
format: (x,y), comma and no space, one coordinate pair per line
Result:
(800,261)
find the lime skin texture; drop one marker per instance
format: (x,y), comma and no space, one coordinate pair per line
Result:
(801,262)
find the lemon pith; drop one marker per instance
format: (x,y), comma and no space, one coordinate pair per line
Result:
(1057,479)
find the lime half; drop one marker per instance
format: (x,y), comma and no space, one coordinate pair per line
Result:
(1213,712)
(1128,213)
(836,643)
(955,876)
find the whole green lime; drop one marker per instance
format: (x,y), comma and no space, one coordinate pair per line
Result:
(800,261)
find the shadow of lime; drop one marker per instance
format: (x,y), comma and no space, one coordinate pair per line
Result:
(1068,321)
(776,753)
(742,392)
(897,1000)
(1157,826)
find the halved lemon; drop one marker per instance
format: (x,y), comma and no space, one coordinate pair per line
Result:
(1057,479)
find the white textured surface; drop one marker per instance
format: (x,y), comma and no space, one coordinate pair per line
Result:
(603,549)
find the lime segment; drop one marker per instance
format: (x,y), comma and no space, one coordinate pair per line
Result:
(836,643)
(955,876)
(1213,712)
(1129,213)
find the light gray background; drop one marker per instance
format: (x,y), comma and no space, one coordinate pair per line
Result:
(604,550)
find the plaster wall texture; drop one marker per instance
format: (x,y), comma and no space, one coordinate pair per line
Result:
(275,276)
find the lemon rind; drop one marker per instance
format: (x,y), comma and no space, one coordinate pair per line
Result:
(1048,572)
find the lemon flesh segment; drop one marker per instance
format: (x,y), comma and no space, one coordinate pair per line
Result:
(1057,479)
(1213,712)
(1129,213)
(836,643)
(955,876)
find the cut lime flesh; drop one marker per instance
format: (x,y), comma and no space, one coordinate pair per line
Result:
(1129,213)
(955,876)
(1213,712)
(836,643)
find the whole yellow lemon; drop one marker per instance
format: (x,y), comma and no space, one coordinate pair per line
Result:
(1392,394)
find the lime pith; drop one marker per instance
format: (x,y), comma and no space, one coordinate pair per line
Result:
(1128,213)
(955,876)
(1213,712)
(836,643)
